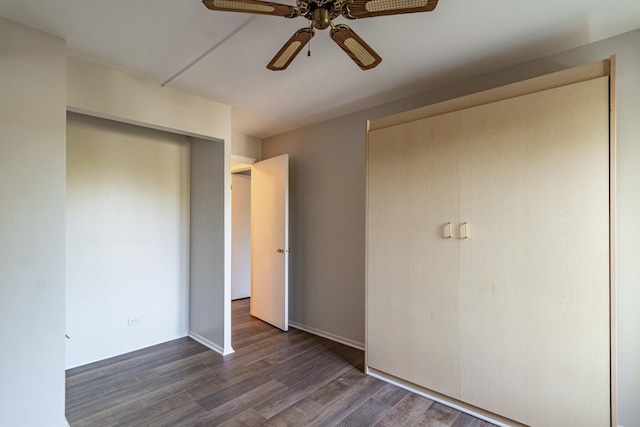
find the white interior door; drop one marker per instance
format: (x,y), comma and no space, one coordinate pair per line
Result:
(270,240)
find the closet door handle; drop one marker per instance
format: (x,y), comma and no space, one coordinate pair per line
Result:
(465,230)
(448,230)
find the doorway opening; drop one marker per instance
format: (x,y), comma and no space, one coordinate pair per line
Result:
(240,230)
(259,237)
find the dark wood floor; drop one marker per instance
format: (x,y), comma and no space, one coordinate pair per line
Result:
(272,379)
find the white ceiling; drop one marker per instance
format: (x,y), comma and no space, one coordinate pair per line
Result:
(460,39)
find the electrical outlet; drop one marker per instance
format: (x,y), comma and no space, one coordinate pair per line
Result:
(133,321)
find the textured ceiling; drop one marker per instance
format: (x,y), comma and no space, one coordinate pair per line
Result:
(460,39)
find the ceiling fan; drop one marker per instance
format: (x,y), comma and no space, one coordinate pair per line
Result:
(320,14)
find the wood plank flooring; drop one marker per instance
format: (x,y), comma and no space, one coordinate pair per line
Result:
(273,379)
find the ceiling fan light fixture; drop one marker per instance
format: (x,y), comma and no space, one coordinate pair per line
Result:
(320,14)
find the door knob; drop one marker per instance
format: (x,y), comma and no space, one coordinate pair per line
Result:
(280,250)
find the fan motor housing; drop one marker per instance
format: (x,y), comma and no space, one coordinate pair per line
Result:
(321,18)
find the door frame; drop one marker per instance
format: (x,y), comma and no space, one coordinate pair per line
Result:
(242,164)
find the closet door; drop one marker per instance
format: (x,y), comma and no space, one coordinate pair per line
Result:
(534,287)
(413,264)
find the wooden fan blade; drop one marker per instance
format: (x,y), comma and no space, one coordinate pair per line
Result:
(368,8)
(291,48)
(253,6)
(355,47)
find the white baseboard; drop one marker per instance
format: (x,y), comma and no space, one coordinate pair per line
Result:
(438,399)
(70,364)
(213,346)
(327,335)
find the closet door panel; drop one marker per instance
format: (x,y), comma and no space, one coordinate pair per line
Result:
(492,302)
(413,268)
(534,288)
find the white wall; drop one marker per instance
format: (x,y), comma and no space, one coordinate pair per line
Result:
(327,195)
(127,238)
(240,236)
(210,290)
(326,226)
(32,227)
(107,93)
(246,146)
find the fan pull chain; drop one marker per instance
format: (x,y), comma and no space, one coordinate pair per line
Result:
(309,48)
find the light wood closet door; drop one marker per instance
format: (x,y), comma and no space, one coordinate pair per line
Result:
(413,268)
(534,287)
